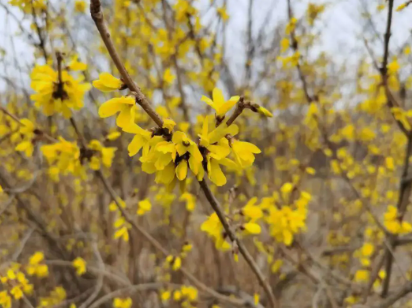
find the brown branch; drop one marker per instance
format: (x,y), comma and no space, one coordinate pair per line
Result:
(242,249)
(405,187)
(407,288)
(97,15)
(161,249)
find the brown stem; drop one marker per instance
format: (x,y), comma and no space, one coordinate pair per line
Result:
(97,15)
(242,249)
(407,288)
(161,249)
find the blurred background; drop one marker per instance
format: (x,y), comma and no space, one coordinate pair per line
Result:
(82,225)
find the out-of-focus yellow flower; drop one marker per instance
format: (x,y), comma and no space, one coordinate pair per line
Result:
(54,95)
(122,302)
(80,265)
(125,106)
(190,201)
(80,6)
(219,104)
(214,228)
(143,207)
(393,224)
(107,83)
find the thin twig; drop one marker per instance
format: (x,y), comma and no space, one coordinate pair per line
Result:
(160,248)
(242,249)
(97,15)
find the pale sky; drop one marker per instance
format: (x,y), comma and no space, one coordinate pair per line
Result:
(341,36)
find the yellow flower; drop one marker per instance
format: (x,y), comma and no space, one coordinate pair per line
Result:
(80,266)
(177,295)
(284,44)
(188,154)
(362,275)
(169,124)
(76,65)
(276,266)
(64,156)
(121,226)
(251,210)
(219,104)
(214,228)
(140,140)
(5,299)
(393,67)
(143,207)
(243,152)
(80,6)
(256,299)
(367,249)
(190,201)
(16,292)
(101,155)
(221,11)
(251,228)
(175,262)
(113,136)
(263,111)
(34,268)
(36,258)
(402,6)
(54,95)
(125,106)
(123,233)
(122,302)
(165,295)
(107,83)
(393,224)
(189,293)
(160,159)
(217,149)
(285,222)
(168,77)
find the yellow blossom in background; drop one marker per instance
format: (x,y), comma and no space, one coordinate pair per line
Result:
(169,124)
(393,224)
(214,228)
(80,265)
(27,130)
(80,6)
(101,155)
(244,152)
(219,104)
(168,76)
(362,275)
(190,201)
(221,11)
(36,267)
(402,6)
(107,83)
(122,302)
(54,95)
(143,207)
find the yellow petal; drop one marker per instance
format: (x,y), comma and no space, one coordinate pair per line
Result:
(181,170)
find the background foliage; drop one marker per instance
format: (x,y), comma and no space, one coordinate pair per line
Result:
(304,201)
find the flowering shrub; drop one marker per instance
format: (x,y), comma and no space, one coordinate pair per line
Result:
(142,166)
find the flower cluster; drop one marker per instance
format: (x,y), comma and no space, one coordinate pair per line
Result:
(63,158)
(36,267)
(393,224)
(14,284)
(57,91)
(171,154)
